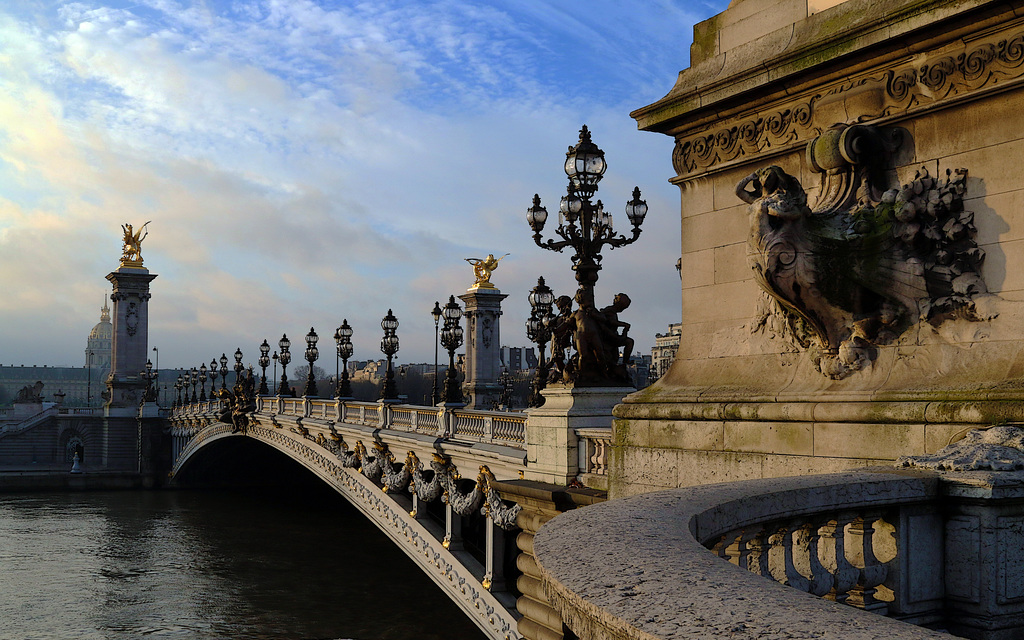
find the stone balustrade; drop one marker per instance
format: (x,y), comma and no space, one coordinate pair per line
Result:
(780,558)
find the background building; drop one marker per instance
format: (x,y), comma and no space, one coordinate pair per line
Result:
(664,351)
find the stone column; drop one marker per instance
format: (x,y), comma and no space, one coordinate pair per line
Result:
(131,336)
(551,444)
(483,346)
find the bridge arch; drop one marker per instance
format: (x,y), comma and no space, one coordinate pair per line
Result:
(321,450)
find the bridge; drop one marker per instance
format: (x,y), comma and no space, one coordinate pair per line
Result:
(436,480)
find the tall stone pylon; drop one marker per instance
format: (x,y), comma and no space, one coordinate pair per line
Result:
(130,318)
(483,336)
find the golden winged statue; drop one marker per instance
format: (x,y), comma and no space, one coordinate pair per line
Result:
(482,269)
(131,256)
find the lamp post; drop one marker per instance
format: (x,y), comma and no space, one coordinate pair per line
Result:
(312,354)
(343,338)
(506,381)
(264,361)
(585,227)
(194,380)
(88,383)
(156,369)
(286,356)
(223,371)
(148,376)
(538,330)
(178,384)
(275,358)
(214,372)
(202,382)
(389,346)
(436,312)
(239,367)
(451,338)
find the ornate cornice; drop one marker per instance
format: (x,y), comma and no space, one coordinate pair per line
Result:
(897,92)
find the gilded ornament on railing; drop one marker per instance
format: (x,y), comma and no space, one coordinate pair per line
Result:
(131,255)
(866,262)
(482,270)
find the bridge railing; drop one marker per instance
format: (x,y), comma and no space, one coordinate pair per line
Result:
(481,426)
(918,546)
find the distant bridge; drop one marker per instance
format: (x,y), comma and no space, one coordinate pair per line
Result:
(402,466)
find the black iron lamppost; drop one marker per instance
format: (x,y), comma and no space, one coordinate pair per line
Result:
(312,353)
(275,358)
(239,367)
(389,346)
(538,330)
(194,380)
(343,338)
(148,376)
(202,382)
(451,338)
(434,392)
(178,384)
(286,356)
(506,381)
(214,372)
(264,361)
(223,371)
(583,225)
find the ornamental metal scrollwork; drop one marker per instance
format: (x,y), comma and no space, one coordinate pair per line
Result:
(867,261)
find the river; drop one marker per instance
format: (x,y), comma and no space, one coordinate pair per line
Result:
(209,564)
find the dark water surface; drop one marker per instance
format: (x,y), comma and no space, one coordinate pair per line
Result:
(215,564)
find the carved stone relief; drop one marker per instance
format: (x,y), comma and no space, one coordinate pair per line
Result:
(888,92)
(866,262)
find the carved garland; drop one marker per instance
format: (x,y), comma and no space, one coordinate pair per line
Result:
(939,79)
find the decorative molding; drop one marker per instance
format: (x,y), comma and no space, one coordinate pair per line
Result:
(995,448)
(945,78)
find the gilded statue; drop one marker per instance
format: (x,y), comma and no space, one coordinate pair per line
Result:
(132,254)
(482,270)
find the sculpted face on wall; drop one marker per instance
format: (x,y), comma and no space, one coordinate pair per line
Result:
(866,261)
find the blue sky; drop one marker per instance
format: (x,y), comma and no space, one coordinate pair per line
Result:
(304,162)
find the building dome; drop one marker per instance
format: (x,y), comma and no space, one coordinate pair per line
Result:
(101,340)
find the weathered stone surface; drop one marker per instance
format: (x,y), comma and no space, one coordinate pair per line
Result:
(665,584)
(998,449)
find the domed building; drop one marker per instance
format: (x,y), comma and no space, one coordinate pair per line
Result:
(101,339)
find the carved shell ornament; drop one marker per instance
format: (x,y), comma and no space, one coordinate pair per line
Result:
(865,262)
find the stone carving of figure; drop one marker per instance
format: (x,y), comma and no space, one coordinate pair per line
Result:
(482,269)
(31,393)
(133,242)
(613,339)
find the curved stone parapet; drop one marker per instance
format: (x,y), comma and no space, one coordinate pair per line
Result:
(640,567)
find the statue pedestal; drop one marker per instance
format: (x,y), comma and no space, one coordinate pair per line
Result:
(552,453)
(131,335)
(483,347)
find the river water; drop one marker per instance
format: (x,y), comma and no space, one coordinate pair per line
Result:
(209,564)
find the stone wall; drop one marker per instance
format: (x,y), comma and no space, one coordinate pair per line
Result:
(743,399)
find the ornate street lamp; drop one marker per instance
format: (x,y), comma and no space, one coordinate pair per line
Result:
(436,312)
(239,367)
(275,358)
(193,379)
(312,353)
(389,346)
(223,371)
(451,338)
(343,338)
(214,372)
(202,382)
(585,227)
(506,381)
(286,356)
(538,330)
(148,376)
(178,384)
(263,362)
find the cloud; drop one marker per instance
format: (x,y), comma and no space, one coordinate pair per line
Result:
(303,163)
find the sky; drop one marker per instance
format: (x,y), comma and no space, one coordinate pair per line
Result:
(306,162)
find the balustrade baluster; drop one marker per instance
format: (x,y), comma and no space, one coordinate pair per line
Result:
(757,552)
(832,554)
(861,554)
(807,562)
